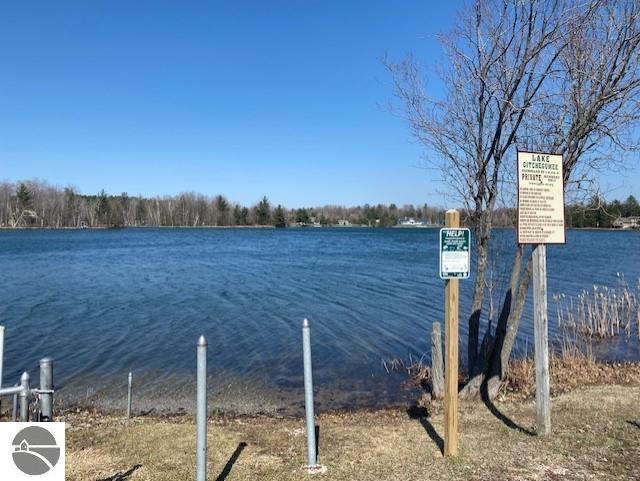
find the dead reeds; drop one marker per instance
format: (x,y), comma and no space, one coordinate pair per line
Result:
(602,313)
(583,321)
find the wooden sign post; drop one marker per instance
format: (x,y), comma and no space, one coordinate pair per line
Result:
(451,355)
(541,222)
(454,265)
(541,341)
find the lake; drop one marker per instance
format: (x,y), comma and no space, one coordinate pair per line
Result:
(106,302)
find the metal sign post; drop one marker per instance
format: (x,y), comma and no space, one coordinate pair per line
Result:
(1,357)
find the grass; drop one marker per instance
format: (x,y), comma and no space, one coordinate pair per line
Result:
(596,436)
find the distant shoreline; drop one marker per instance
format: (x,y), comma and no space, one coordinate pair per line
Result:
(338,227)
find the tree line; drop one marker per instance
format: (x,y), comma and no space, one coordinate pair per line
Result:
(39,204)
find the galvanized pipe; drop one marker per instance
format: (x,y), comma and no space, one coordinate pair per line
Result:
(24,397)
(308,394)
(1,360)
(1,352)
(129,396)
(14,416)
(201,411)
(8,391)
(46,386)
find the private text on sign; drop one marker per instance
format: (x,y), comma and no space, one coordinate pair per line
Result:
(540,199)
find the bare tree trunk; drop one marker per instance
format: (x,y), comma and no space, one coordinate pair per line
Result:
(493,363)
(502,351)
(482,254)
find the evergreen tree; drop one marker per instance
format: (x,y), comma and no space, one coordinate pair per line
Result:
(222,206)
(237,215)
(24,197)
(103,209)
(244,216)
(302,216)
(279,219)
(263,212)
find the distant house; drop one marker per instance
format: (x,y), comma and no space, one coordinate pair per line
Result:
(344,223)
(313,222)
(627,222)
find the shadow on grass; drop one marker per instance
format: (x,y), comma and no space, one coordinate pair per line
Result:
(500,415)
(634,423)
(122,476)
(232,460)
(421,414)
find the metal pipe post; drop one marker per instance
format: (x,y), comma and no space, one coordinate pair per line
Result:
(46,386)
(308,394)
(14,416)
(1,352)
(24,397)
(129,396)
(201,411)
(1,360)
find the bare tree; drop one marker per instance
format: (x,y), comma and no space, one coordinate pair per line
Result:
(588,112)
(510,64)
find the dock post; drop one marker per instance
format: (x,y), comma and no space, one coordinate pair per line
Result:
(437,362)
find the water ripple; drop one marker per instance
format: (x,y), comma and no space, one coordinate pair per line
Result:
(106,302)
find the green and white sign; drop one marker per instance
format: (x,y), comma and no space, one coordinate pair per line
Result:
(455,253)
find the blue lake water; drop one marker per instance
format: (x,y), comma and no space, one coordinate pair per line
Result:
(104,302)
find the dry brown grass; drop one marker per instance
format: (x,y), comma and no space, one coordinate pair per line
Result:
(568,373)
(594,438)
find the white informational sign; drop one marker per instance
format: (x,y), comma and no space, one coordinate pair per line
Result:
(540,199)
(455,253)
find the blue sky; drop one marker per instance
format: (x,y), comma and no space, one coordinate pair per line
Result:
(245,99)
